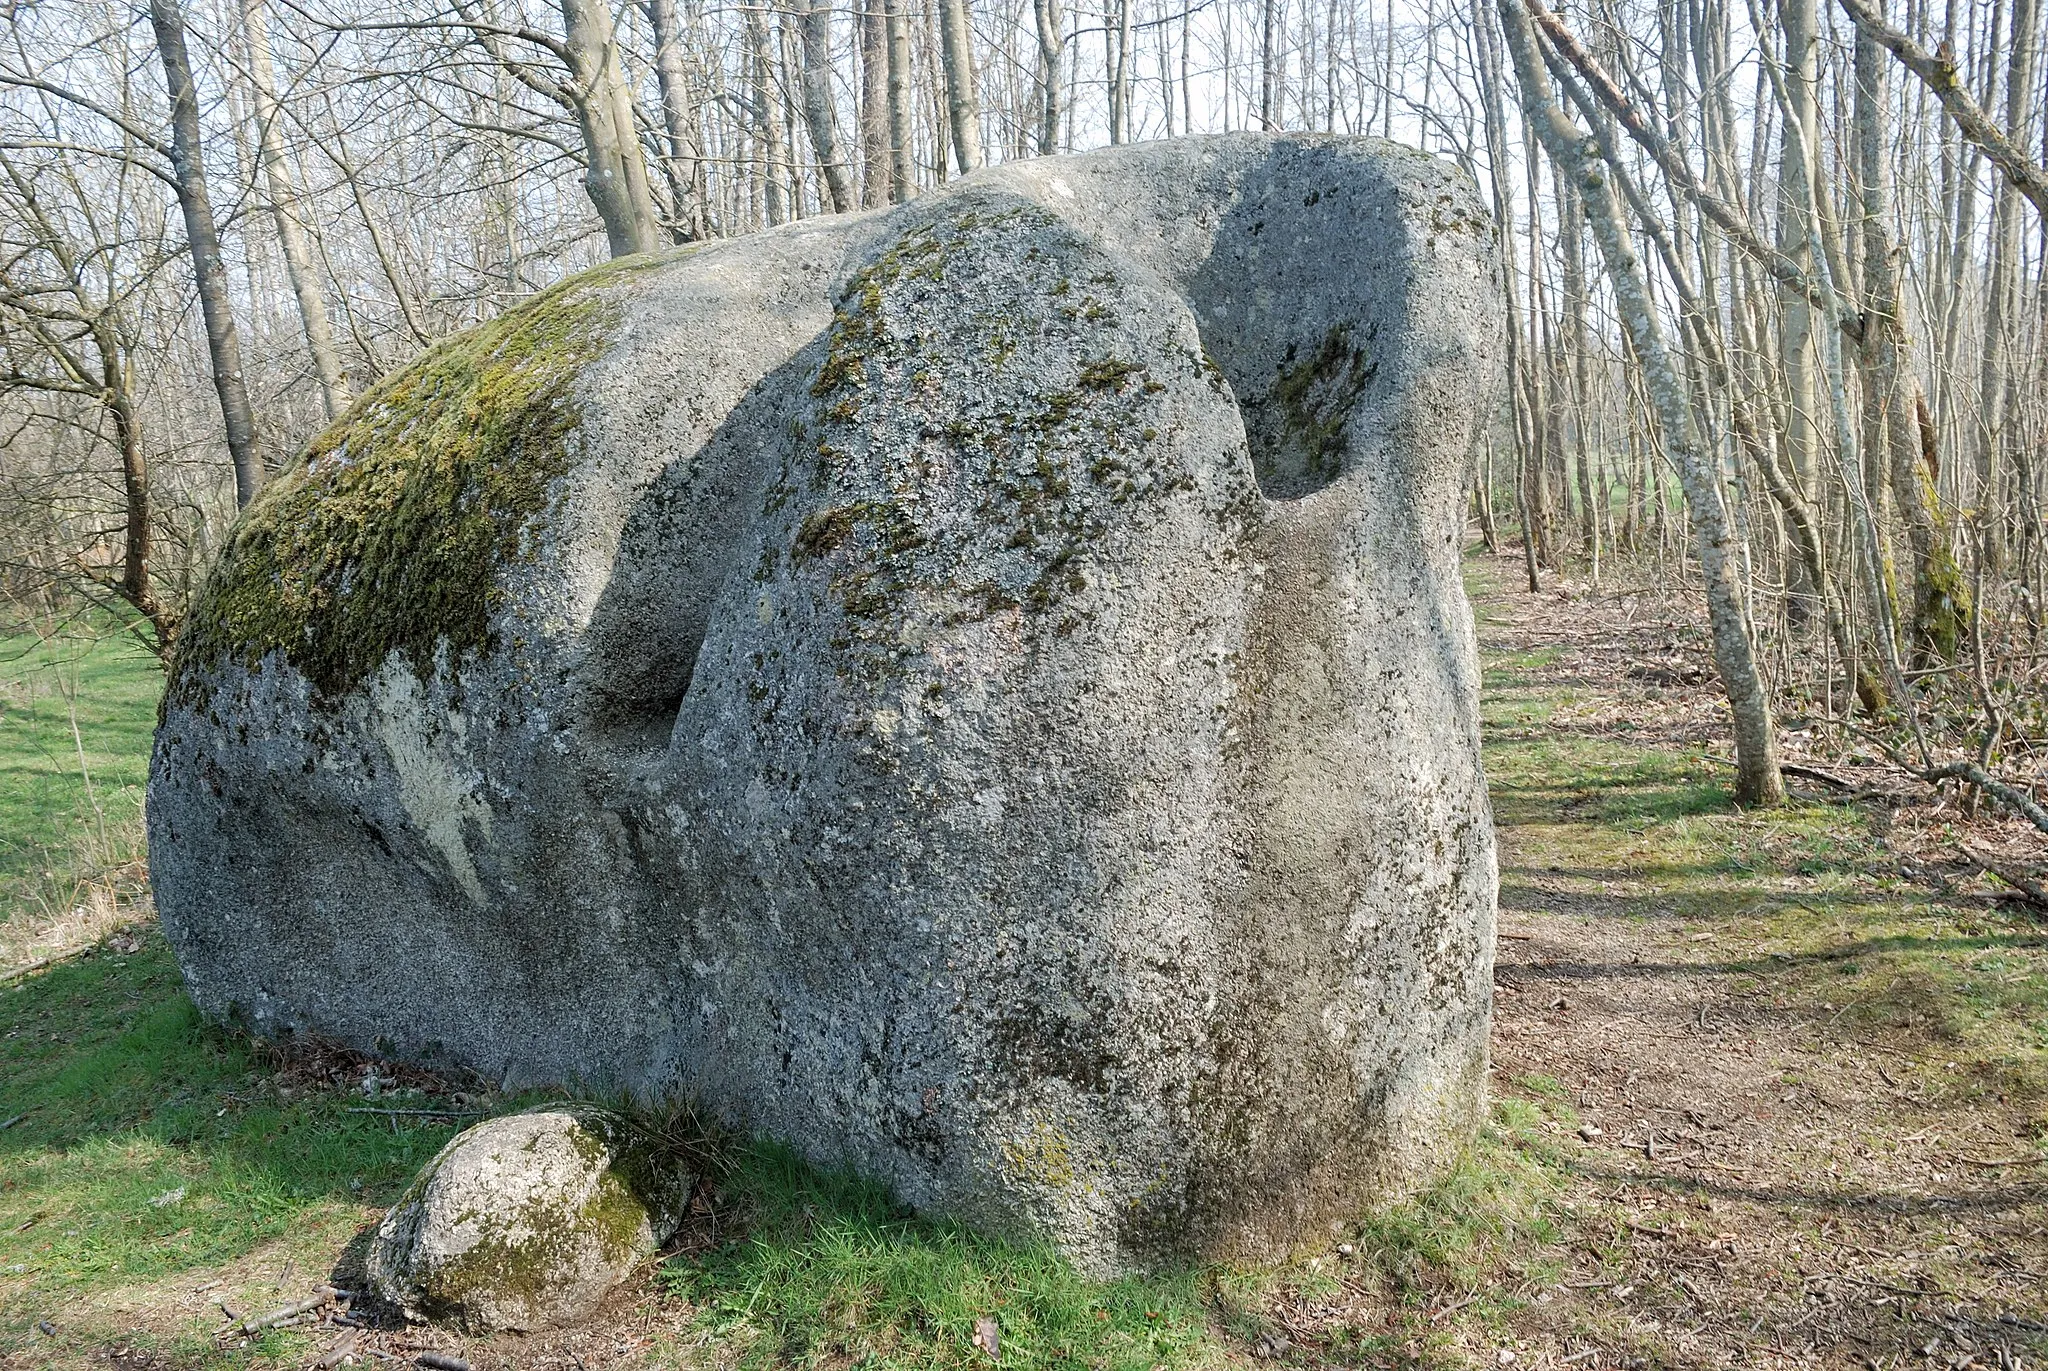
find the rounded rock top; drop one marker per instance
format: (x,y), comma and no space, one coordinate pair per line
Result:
(527,1221)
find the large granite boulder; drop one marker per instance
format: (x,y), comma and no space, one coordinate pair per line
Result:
(982,692)
(528,1221)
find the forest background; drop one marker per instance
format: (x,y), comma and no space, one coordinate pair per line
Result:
(1773,274)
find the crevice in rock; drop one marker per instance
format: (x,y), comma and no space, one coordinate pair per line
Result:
(634,708)
(1299,425)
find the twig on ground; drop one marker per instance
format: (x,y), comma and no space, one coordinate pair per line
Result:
(325,1295)
(417,1113)
(1445,1311)
(44,963)
(2034,1160)
(340,1352)
(2029,891)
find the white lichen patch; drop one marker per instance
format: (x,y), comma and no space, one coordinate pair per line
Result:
(438,790)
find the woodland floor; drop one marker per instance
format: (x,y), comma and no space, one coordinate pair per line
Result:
(1771,1090)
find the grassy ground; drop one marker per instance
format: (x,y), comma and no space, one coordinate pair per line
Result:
(1769,1091)
(76,710)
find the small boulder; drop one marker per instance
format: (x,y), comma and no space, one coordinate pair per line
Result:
(527,1221)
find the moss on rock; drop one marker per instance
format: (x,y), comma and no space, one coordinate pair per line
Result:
(527,1221)
(389,534)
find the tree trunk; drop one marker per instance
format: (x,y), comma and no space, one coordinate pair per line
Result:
(1797,161)
(1504,211)
(1051,54)
(223,348)
(773,188)
(1268,57)
(874,104)
(615,170)
(1571,229)
(902,182)
(2000,294)
(684,162)
(818,120)
(962,112)
(1757,780)
(1118,37)
(284,210)
(137,534)
(1892,405)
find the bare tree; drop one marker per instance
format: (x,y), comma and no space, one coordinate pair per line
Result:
(285,209)
(1756,740)
(203,242)
(818,113)
(963,114)
(683,163)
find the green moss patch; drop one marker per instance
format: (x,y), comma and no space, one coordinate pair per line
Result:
(388,535)
(1317,394)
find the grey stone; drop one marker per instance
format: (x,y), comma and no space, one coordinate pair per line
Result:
(982,692)
(527,1221)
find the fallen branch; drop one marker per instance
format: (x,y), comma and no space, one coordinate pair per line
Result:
(417,1113)
(2028,890)
(1814,773)
(320,1298)
(340,1352)
(1990,785)
(1968,772)
(44,964)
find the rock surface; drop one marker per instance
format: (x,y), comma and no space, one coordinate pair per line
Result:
(982,692)
(527,1221)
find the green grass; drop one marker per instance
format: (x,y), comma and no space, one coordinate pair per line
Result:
(144,1143)
(63,815)
(149,1150)
(829,1266)
(1807,897)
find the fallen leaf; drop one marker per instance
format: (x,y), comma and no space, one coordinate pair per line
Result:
(986,1339)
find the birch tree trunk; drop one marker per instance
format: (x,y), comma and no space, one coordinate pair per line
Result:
(223,348)
(1758,781)
(285,203)
(963,114)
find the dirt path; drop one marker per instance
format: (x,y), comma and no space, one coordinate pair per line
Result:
(1793,1099)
